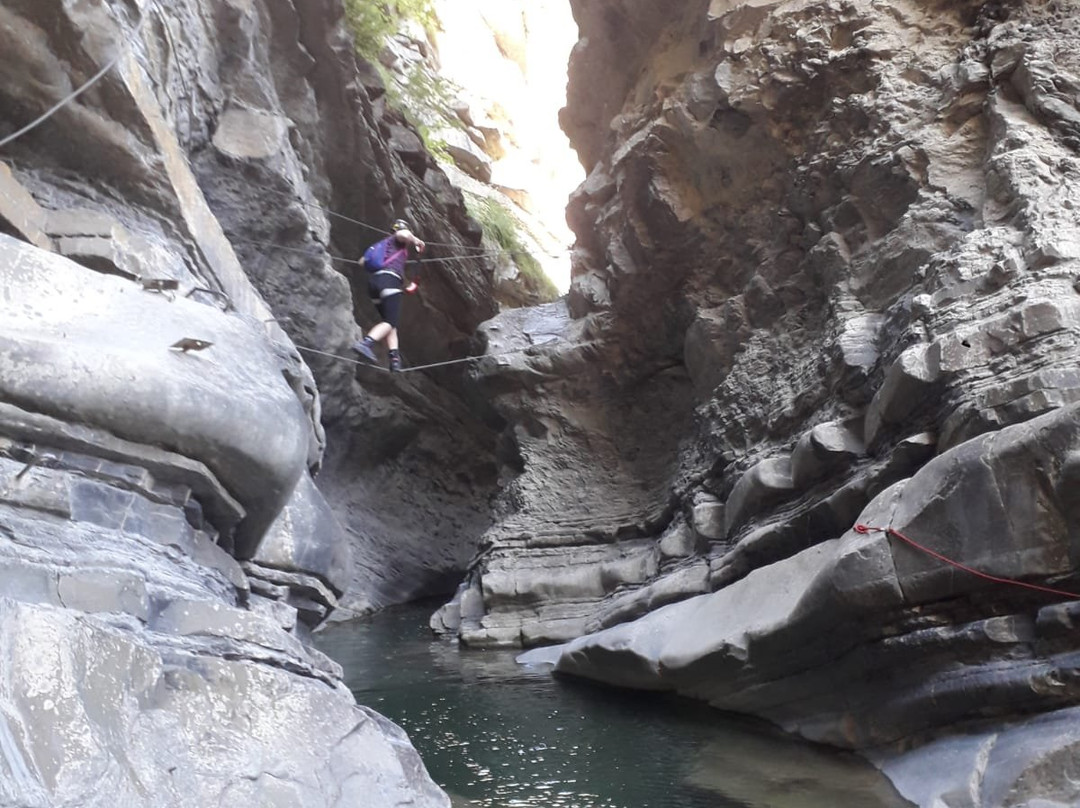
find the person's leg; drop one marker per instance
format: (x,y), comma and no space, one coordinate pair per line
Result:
(366,346)
(392,305)
(378,288)
(391,312)
(389,307)
(380,331)
(386,295)
(395,356)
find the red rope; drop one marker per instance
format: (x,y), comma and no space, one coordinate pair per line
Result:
(984,575)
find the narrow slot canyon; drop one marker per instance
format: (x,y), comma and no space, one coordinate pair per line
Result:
(701,435)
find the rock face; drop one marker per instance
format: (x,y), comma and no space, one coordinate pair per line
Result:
(166,254)
(862,642)
(825,274)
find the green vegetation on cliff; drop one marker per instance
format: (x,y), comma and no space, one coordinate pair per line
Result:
(372,23)
(501,227)
(426,99)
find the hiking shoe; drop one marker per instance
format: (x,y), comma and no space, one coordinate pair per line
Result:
(395,365)
(365,351)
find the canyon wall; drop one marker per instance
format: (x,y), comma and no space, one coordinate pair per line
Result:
(177,270)
(262,117)
(484,81)
(825,276)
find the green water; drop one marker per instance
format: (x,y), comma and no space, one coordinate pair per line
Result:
(495,734)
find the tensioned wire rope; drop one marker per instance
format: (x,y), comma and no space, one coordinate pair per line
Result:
(484,251)
(363,363)
(120,52)
(301,251)
(121,49)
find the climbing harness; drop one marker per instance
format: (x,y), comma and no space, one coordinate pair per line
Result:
(81,89)
(889,531)
(362,363)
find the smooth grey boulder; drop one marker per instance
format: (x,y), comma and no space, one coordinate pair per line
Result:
(307,538)
(671,648)
(23,215)
(858,342)
(907,384)
(681,540)
(993,768)
(95,349)
(823,450)
(765,484)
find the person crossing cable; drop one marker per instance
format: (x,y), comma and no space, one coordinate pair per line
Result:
(385,262)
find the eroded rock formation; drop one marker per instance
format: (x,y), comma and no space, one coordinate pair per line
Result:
(165,255)
(825,275)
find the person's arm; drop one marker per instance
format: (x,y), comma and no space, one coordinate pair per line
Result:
(406,237)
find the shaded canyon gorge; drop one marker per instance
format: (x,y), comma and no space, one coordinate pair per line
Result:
(825,276)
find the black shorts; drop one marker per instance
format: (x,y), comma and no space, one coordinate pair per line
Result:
(384,287)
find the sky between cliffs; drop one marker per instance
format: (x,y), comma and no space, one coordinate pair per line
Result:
(511,57)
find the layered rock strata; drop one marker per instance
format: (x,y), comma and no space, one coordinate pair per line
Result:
(863,642)
(167,251)
(825,274)
(261,122)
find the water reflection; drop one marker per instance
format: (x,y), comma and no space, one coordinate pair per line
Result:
(497,735)
(754,767)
